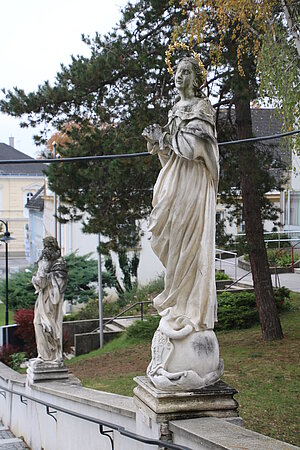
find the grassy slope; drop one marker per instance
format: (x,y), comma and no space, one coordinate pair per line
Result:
(2,315)
(265,374)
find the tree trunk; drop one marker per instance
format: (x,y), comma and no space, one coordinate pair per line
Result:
(268,315)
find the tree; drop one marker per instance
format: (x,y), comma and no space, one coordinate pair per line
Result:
(291,11)
(280,54)
(82,271)
(234,31)
(108,99)
(124,86)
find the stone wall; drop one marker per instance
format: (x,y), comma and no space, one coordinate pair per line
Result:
(87,342)
(56,429)
(80,326)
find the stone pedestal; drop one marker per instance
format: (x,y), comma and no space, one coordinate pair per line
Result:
(155,408)
(215,400)
(46,371)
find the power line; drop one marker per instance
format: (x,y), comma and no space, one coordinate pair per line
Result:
(135,155)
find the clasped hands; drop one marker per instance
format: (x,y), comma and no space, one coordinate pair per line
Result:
(152,133)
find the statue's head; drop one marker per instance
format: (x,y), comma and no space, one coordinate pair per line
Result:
(196,73)
(51,249)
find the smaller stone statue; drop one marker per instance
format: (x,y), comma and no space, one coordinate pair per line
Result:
(50,283)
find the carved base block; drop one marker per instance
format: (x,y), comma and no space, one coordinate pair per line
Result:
(211,401)
(46,371)
(184,363)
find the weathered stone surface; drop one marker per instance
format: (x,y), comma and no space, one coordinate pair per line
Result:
(216,434)
(46,371)
(106,401)
(185,352)
(50,283)
(213,401)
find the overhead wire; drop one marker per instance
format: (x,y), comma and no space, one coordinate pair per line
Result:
(134,155)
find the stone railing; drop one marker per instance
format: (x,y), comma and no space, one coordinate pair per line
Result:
(31,414)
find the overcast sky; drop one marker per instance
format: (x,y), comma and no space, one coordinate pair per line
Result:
(36,36)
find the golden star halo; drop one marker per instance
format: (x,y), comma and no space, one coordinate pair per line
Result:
(184,46)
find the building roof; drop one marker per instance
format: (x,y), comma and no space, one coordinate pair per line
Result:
(37,201)
(265,121)
(10,153)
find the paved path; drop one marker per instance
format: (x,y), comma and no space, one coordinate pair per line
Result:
(289,280)
(8,441)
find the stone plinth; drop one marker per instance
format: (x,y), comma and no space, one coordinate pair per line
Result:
(211,401)
(46,371)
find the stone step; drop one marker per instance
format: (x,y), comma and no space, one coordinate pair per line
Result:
(112,327)
(126,322)
(120,324)
(297,270)
(5,443)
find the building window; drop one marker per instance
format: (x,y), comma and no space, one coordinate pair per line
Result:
(241,224)
(26,198)
(29,195)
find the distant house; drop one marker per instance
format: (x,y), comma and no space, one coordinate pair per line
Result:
(71,237)
(18,184)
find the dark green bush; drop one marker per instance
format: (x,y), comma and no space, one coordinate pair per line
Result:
(236,310)
(220,276)
(143,329)
(111,309)
(239,310)
(282,296)
(91,311)
(82,272)
(277,257)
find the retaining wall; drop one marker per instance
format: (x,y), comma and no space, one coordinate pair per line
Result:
(50,430)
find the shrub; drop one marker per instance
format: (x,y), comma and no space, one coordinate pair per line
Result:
(111,309)
(82,272)
(280,258)
(282,295)
(220,275)
(236,310)
(143,293)
(143,329)
(239,310)
(6,353)
(17,359)
(25,331)
(277,257)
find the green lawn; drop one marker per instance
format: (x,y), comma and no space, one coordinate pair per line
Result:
(2,315)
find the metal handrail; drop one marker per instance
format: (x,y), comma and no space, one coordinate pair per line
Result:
(220,251)
(236,281)
(123,312)
(100,422)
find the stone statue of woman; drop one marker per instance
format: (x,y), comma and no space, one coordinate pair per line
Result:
(185,352)
(50,283)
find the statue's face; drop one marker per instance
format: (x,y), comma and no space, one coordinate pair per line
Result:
(49,250)
(185,77)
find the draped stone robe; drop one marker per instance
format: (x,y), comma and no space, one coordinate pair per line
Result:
(182,221)
(50,283)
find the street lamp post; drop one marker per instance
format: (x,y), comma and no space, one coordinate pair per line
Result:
(6,238)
